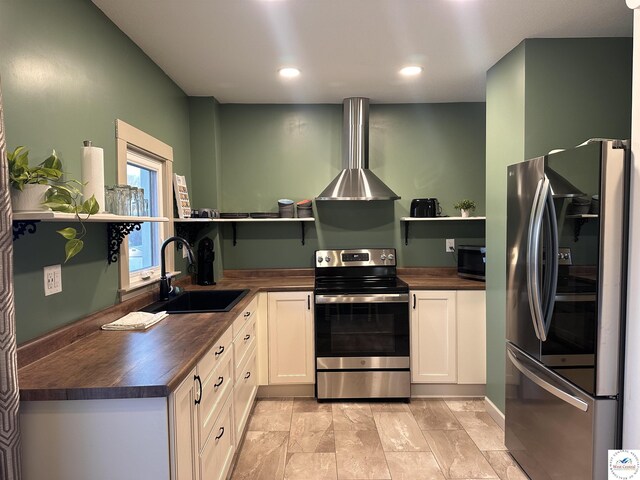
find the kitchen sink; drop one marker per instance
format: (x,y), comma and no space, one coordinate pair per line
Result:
(199,301)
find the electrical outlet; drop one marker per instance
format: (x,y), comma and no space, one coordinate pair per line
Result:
(52,280)
(450,245)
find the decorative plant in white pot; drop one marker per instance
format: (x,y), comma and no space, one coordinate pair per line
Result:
(46,189)
(29,184)
(465,207)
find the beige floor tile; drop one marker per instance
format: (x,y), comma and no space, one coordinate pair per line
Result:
(311,432)
(505,466)
(352,416)
(311,466)
(268,405)
(262,456)
(359,455)
(486,433)
(457,455)
(310,405)
(389,407)
(466,405)
(433,414)
(413,466)
(399,432)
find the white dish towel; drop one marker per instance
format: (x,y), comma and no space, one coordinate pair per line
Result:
(135,321)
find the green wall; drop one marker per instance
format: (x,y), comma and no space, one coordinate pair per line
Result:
(67,74)
(293,151)
(544,94)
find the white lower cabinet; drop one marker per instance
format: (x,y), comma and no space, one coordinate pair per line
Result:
(448,336)
(433,336)
(472,338)
(244,393)
(291,343)
(182,419)
(217,454)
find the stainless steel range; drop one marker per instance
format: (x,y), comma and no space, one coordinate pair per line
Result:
(361,325)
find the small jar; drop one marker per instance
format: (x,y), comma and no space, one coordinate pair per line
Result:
(142,208)
(134,200)
(109,200)
(123,199)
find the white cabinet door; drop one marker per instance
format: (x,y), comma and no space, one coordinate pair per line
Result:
(183,430)
(471,337)
(433,336)
(291,349)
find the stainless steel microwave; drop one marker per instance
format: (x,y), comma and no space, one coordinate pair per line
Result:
(471,262)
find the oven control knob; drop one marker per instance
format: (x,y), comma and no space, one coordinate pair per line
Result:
(390,256)
(319,259)
(327,259)
(383,257)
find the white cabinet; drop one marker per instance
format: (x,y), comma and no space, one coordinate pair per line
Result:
(291,344)
(182,421)
(448,336)
(472,349)
(433,336)
(216,456)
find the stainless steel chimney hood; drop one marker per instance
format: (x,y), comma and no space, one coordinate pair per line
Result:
(356,181)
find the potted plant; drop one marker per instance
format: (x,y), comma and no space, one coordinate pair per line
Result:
(29,184)
(42,187)
(465,207)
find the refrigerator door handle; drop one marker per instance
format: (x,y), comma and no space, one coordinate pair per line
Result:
(533,256)
(552,389)
(552,271)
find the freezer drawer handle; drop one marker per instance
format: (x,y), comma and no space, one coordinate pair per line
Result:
(562,395)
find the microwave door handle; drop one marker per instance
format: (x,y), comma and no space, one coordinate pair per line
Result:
(533,258)
(552,389)
(551,272)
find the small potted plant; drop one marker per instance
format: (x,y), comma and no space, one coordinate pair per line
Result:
(465,207)
(29,184)
(42,187)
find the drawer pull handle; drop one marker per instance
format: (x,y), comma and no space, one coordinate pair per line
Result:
(414,301)
(220,380)
(247,375)
(199,397)
(220,435)
(246,314)
(220,350)
(247,337)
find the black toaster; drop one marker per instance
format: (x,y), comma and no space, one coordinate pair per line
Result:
(424,207)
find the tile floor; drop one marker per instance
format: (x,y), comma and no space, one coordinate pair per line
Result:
(296,438)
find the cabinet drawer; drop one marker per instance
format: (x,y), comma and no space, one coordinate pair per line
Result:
(215,389)
(247,314)
(244,392)
(244,343)
(218,451)
(216,355)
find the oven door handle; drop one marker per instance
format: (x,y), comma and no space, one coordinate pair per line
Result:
(380,298)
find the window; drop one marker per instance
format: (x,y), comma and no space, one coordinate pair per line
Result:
(145,172)
(146,163)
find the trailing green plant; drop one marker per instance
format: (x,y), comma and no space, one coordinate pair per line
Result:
(465,205)
(62,196)
(20,173)
(68,198)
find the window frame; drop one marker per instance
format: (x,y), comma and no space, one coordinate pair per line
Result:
(128,138)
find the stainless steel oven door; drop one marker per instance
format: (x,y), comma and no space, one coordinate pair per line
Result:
(374,325)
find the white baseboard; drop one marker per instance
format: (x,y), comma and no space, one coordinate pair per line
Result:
(494,412)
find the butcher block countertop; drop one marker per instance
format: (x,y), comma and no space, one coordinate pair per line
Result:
(80,361)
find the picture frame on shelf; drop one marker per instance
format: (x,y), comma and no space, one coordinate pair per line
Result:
(182,196)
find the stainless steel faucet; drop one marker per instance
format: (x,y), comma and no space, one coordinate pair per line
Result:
(165,283)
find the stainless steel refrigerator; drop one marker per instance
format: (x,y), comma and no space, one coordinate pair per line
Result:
(566,257)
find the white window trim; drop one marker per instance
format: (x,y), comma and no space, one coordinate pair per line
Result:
(129,137)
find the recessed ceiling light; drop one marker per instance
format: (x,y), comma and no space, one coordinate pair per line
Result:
(411,70)
(289,72)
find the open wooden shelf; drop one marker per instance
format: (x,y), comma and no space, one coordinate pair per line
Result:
(407,220)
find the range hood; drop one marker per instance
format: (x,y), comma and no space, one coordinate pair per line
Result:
(356,181)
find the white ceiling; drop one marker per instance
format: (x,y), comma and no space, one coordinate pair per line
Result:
(232,49)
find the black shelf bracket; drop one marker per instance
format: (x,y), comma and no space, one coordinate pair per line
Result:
(406,233)
(577,227)
(234,227)
(22,227)
(116,233)
(302,232)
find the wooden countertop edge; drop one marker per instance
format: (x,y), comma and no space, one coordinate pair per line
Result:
(38,349)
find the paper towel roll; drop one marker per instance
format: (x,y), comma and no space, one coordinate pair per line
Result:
(93,173)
